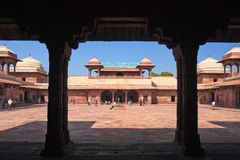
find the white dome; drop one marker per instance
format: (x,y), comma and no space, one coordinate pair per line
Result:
(94,60)
(145,61)
(29,64)
(210,65)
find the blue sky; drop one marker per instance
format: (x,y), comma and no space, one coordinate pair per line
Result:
(160,55)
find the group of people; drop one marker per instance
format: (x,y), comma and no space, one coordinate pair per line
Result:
(8,103)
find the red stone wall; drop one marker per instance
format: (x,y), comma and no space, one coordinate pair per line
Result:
(159,97)
(31,77)
(209,78)
(224,96)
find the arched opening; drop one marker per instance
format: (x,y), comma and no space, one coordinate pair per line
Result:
(235,69)
(94,72)
(119,74)
(228,68)
(119,96)
(20,98)
(154,98)
(106,96)
(145,73)
(133,96)
(26,96)
(11,67)
(4,67)
(212,96)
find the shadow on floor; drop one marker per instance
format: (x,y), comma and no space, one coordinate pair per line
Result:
(26,142)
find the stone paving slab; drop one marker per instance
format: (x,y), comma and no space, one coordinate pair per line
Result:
(135,133)
(90,124)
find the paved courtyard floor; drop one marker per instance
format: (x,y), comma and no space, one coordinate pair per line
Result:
(149,129)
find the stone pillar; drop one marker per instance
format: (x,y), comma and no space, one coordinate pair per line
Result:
(189,127)
(14,68)
(178,58)
(89,72)
(224,70)
(149,72)
(57,137)
(7,67)
(149,101)
(238,69)
(98,72)
(113,98)
(126,97)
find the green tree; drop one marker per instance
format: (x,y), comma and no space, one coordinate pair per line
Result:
(153,74)
(166,74)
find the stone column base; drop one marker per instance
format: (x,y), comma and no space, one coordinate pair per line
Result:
(193,150)
(178,137)
(57,152)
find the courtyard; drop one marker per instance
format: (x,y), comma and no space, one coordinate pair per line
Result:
(134,124)
(147,130)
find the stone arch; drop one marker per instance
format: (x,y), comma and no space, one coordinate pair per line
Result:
(4,66)
(212,96)
(235,68)
(11,67)
(132,95)
(119,96)
(26,96)
(228,68)
(106,95)
(154,97)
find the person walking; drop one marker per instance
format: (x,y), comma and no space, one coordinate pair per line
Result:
(9,104)
(213,105)
(141,102)
(39,100)
(96,102)
(89,101)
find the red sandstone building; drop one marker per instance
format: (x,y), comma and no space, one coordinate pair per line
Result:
(220,80)
(26,81)
(124,82)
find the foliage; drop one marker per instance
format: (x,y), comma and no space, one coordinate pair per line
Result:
(166,74)
(153,74)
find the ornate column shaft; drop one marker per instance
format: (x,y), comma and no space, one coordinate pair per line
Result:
(57,137)
(190,138)
(178,58)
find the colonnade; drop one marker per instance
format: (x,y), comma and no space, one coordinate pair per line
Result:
(57,138)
